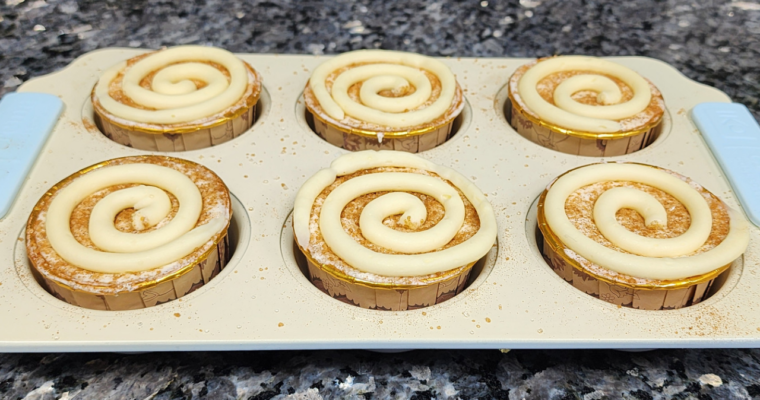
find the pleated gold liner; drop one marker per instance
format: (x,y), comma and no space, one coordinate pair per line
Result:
(575,142)
(382,296)
(153,293)
(656,295)
(184,136)
(148,293)
(412,142)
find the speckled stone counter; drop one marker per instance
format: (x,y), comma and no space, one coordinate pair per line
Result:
(565,374)
(716,43)
(713,42)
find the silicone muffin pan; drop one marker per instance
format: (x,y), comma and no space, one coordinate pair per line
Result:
(262,300)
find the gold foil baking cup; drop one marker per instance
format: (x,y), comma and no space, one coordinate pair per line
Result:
(219,251)
(169,287)
(338,274)
(383,295)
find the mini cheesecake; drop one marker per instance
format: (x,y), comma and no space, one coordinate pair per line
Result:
(130,233)
(638,236)
(378,99)
(176,99)
(391,231)
(584,105)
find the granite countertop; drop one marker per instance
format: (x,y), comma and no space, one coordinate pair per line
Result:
(716,43)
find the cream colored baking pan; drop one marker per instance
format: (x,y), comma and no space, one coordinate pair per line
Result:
(262,300)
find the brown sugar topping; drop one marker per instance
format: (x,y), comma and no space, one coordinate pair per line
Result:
(350,222)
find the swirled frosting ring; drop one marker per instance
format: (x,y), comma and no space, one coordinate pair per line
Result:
(187,85)
(591,75)
(411,253)
(380,72)
(643,257)
(130,252)
(127,222)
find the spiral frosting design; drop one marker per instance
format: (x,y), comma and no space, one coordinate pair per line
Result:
(142,187)
(381,71)
(679,236)
(395,189)
(566,112)
(186,85)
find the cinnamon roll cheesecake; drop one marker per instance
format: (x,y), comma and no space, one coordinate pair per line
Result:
(584,105)
(130,233)
(379,99)
(392,231)
(180,98)
(637,235)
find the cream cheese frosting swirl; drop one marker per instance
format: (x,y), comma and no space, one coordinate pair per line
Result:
(120,252)
(417,249)
(380,70)
(650,258)
(568,113)
(173,96)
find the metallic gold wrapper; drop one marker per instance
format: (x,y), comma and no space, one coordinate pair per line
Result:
(652,295)
(184,136)
(151,293)
(355,139)
(384,296)
(145,294)
(577,142)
